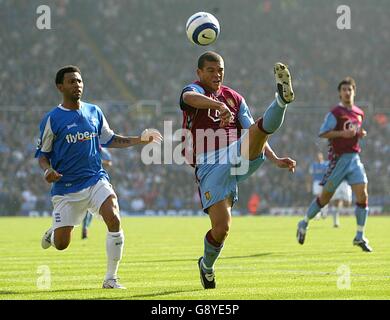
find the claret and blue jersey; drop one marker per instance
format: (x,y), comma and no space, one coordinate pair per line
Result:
(71,139)
(340,119)
(345,162)
(215,179)
(203,119)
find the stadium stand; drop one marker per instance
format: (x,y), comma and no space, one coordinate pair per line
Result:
(132,51)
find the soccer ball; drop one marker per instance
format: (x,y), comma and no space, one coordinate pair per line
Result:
(202,28)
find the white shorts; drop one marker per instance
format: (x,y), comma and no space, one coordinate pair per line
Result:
(343,192)
(317,188)
(70,209)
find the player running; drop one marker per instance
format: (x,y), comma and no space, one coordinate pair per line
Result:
(209,108)
(343,128)
(68,153)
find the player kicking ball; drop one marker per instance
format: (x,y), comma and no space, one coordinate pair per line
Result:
(208,106)
(343,128)
(68,153)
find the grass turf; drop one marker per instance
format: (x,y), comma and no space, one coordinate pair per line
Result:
(261,260)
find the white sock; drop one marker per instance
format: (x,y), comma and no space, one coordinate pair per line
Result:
(114,249)
(280,101)
(52,240)
(360,228)
(335,218)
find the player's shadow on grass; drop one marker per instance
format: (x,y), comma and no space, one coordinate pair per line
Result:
(150,295)
(145,296)
(8,292)
(192,259)
(44,291)
(248,256)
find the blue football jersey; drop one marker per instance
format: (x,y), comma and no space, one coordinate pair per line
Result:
(71,139)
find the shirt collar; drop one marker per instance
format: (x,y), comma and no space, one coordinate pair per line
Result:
(65,109)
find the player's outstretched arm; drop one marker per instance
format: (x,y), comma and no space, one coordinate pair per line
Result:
(147,136)
(284,163)
(200,101)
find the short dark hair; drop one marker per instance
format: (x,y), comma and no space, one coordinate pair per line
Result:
(67,69)
(349,81)
(208,56)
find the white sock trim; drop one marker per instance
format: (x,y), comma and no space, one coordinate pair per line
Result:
(279,101)
(114,250)
(115,234)
(360,228)
(52,239)
(208,269)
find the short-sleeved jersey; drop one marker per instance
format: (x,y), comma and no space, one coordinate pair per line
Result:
(318,170)
(71,139)
(339,119)
(199,120)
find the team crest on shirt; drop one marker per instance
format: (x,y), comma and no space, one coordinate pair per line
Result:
(207,195)
(214,115)
(70,126)
(349,125)
(230,102)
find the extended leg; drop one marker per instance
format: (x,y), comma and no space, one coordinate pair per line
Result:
(114,243)
(254,142)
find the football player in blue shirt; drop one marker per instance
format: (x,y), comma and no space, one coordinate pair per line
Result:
(68,153)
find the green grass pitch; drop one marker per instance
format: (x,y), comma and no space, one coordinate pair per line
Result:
(261,260)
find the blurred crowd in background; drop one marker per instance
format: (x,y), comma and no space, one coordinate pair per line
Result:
(134,51)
